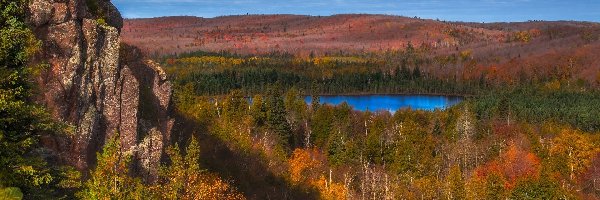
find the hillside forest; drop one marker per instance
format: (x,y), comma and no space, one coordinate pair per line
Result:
(511,138)
(529,127)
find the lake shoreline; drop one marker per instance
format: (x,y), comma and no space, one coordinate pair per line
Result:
(390,102)
(396,94)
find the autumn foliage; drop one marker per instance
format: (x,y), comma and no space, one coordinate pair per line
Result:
(306,168)
(512,165)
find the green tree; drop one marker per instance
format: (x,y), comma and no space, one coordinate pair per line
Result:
(21,121)
(495,187)
(315,102)
(543,188)
(11,193)
(416,74)
(405,73)
(184,179)
(235,106)
(184,96)
(295,105)
(258,110)
(110,179)
(276,120)
(321,125)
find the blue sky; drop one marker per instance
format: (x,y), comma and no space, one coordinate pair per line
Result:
(457,10)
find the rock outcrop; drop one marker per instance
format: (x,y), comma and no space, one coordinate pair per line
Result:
(98,85)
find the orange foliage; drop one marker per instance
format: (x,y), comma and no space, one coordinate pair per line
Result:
(518,163)
(209,186)
(305,166)
(170,61)
(330,190)
(514,164)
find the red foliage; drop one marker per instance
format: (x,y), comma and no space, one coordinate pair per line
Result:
(559,50)
(590,180)
(504,130)
(514,164)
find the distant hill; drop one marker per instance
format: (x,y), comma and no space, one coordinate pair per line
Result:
(255,34)
(536,43)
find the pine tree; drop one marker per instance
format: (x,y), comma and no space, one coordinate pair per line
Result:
(315,102)
(21,121)
(495,187)
(405,73)
(235,105)
(276,120)
(258,110)
(416,74)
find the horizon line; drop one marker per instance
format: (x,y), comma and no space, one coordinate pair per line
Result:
(369,14)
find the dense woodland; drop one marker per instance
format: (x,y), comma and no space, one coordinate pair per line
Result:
(529,139)
(215,74)
(531,136)
(474,150)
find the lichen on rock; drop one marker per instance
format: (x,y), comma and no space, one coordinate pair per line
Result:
(98,84)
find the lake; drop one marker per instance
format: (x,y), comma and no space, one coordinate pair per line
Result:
(391,102)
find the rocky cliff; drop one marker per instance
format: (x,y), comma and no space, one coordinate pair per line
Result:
(99,85)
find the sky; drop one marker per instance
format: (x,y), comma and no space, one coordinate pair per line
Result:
(450,10)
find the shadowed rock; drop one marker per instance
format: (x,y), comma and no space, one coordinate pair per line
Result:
(98,85)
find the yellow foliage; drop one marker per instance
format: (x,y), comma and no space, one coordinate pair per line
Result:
(212,60)
(475,188)
(523,36)
(211,187)
(184,179)
(576,148)
(302,163)
(330,190)
(329,60)
(428,188)
(466,55)
(304,167)
(553,85)
(199,185)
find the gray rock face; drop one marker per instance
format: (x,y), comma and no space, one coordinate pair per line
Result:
(99,85)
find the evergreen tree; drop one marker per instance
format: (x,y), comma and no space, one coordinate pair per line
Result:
(315,102)
(495,187)
(405,73)
(258,110)
(235,105)
(276,120)
(416,74)
(21,121)
(184,179)
(543,188)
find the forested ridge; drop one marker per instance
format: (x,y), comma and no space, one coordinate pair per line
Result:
(523,131)
(395,72)
(520,138)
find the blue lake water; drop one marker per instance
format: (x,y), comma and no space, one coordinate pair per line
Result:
(391,102)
